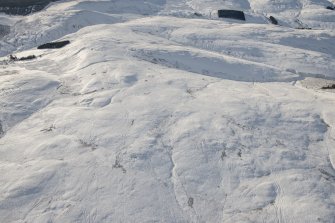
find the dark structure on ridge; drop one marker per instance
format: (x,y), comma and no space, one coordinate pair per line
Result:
(231,14)
(54,45)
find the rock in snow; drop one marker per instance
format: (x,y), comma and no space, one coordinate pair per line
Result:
(232,14)
(153,114)
(273,20)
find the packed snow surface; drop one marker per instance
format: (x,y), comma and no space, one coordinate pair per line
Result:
(158,111)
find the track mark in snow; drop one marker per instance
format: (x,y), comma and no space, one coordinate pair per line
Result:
(181,196)
(183,199)
(278,204)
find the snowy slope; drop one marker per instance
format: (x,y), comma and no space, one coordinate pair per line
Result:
(153,114)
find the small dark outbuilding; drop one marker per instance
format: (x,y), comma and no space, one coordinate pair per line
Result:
(330,7)
(273,20)
(54,45)
(231,14)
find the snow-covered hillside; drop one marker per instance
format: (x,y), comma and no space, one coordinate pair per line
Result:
(159,111)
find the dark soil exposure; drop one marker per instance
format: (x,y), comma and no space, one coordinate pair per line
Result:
(54,45)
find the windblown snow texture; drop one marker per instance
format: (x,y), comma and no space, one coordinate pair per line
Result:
(160,111)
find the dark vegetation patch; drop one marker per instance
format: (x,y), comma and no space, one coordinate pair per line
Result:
(54,45)
(88,143)
(239,153)
(15,58)
(118,165)
(328,87)
(23,7)
(22,10)
(327,175)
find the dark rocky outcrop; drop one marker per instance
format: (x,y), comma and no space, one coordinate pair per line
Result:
(231,14)
(273,20)
(22,7)
(197,14)
(54,45)
(330,7)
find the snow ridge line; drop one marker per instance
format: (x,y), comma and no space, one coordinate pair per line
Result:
(329,141)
